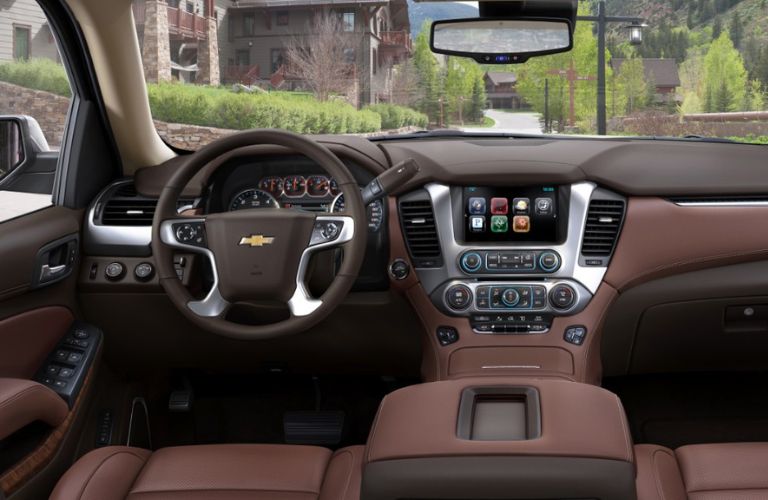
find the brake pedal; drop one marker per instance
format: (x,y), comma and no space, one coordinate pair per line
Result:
(313,427)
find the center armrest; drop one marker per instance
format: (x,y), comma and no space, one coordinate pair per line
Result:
(23,402)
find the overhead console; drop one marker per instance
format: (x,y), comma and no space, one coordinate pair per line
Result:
(511,258)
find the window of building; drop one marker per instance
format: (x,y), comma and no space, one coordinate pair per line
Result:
(276,59)
(21,42)
(375,61)
(189,7)
(283,18)
(173,3)
(243,57)
(249,24)
(349,55)
(348,21)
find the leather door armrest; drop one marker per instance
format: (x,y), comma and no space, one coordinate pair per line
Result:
(24,401)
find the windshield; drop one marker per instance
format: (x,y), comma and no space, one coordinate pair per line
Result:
(365,67)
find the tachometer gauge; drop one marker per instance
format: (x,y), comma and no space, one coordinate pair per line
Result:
(334,187)
(272,185)
(253,198)
(318,186)
(375,212)
(294,186)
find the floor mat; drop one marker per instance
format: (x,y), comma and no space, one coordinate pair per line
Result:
(251,408)
(675,410)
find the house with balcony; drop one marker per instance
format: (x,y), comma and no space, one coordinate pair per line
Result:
(501,90)
(24,32)
(255,32)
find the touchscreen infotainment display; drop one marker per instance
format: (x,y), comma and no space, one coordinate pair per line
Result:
(521,214)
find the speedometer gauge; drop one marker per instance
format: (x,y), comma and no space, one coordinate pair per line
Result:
(253,198)
(317,186)
(375,212)
(334,187)
(294,186)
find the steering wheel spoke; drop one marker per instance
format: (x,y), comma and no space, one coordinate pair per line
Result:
(329,231)
(189,234)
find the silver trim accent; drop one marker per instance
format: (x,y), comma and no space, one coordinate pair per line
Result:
(570,251)
(704,203)
(583,296)
(511,367)
(302,303)
(213,305)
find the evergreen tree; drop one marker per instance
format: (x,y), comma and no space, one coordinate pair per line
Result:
(725,78)
(427,70)
(736,29)
(717,28)
(478,98)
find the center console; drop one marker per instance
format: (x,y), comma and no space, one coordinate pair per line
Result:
(500,439)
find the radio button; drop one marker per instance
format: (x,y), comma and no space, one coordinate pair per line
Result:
(471,262)
(549,262)
(459,297)
(563,296)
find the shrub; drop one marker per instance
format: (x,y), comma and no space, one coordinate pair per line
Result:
(393,117)
(217,107)
(37,74)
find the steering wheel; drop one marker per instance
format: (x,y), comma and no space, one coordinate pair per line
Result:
(259,254)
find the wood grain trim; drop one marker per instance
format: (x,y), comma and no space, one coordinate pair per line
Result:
(37,460)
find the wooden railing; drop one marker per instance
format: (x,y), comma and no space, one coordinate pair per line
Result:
(397,38)
(180,22)
(245,74)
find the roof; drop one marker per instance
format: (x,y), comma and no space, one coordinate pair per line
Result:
(664,71)
(499,77)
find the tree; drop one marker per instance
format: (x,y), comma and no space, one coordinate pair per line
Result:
(478,98)
(427,71)
(325,58)
(725,78)
(632,85)
(717,28)
(736,29)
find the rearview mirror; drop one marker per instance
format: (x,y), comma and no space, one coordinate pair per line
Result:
(501,41)
(11,146)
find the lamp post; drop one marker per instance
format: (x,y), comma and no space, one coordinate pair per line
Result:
(635,37)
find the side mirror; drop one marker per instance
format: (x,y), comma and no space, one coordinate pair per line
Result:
(501,41)
(21,140)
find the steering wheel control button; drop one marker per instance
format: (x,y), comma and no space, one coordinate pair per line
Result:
(575,335)
(510,297)
(326,231)
(447,335)
(549,262)
(399,270)
(186,233)
(562,297)
(144,272)
(114,271)
(471,262)
(459,297)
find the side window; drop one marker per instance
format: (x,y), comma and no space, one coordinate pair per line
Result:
(35,97)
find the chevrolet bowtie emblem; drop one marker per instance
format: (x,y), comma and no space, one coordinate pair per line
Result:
(256,240)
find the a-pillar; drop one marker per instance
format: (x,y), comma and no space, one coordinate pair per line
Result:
(156,52)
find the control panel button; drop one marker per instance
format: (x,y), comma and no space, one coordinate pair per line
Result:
(114,271)
(459,297)
(144,271)
(447,335)
(510,297)
(562,296)
(549,262)
(471,262)
(399,269)
(190,233)
(575,335)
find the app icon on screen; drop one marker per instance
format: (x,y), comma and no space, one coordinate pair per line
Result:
(521,224)
(499,224)
(544,206)
(477,224)
(477,206)
(499,206)
(522,206)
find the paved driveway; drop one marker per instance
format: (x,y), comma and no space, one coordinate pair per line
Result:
(520,123)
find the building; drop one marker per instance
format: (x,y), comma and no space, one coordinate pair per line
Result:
(254,35)
(664,74)
(24,32)
(500,87)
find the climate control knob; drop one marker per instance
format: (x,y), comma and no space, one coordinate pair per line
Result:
(549,262)
(471,262)
(459,297)
(510,297)
(562,297)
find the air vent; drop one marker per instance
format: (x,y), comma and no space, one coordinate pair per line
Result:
(604,221)
(128,211)
(418,221)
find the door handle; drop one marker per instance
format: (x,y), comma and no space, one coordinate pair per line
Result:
(48,273)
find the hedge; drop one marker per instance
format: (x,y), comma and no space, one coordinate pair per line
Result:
(38,74)
(393,117)
(206,106)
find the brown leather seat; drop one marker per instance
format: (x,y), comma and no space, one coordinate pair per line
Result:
(215,472)
(703,472)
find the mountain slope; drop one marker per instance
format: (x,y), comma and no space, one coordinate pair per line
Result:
(418,12)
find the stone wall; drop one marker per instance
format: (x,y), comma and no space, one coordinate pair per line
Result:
(156,48)
(48,109)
